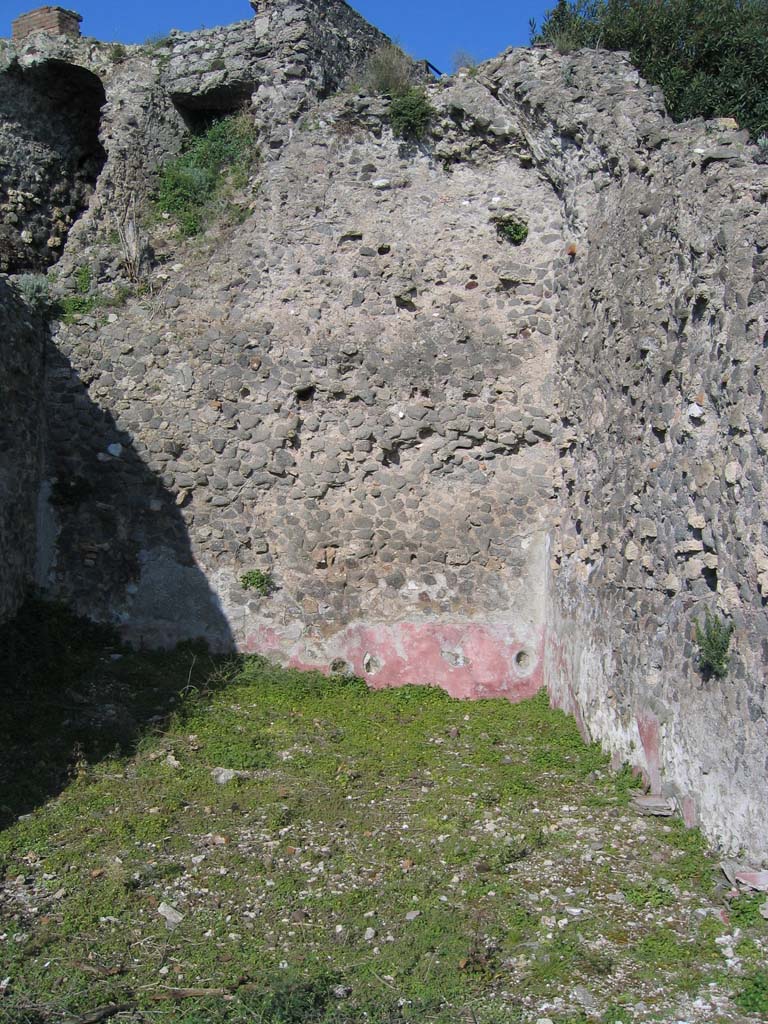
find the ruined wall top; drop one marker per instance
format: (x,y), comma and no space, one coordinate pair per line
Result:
(55,20)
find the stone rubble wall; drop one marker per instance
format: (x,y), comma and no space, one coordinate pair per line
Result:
(68,166)
(361,409)
(51,158)
(21,436)
(661,380)
(279,63)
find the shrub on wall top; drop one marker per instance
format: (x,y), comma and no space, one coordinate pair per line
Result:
(708,56)
(388,71)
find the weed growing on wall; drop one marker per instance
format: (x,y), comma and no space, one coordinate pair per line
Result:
(262,582)
(83,279)
(157,41)
(82,302)
(35,291)
(410,114)
(191,185)
(713,640)
(73,306)
(511,229)
(463,59)
(388,71)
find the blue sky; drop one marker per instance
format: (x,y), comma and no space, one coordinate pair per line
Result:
(431,29)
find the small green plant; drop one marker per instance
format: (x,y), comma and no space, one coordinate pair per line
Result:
(752,996)
(410,114)
(35,292)
(73,306)
(714,640)
(117,53)
(83,279)
(118,298)
(191,184)
(83,301)
(762,150)
(649,895)
(255,579)
(511,229)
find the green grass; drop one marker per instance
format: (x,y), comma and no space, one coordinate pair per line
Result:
(193,186)
(744,912)
(480,842)
(652,895)
(752,994)
(86,300)
(83,279)
(71,307)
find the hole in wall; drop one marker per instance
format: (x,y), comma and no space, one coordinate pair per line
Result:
(371,664)
(455,657)
(523,661)
(199,112)
(405,302)
(659,433)
(699,308)
(710,578)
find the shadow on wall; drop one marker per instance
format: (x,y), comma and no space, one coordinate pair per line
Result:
(21,422)
(122,550)
(71,691)
(51,156)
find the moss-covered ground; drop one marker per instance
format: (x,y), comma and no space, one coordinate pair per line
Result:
(379,857)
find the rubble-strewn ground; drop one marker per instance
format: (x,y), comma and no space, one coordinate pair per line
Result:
(369,856)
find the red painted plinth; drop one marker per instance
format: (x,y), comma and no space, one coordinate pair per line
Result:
(468,660)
